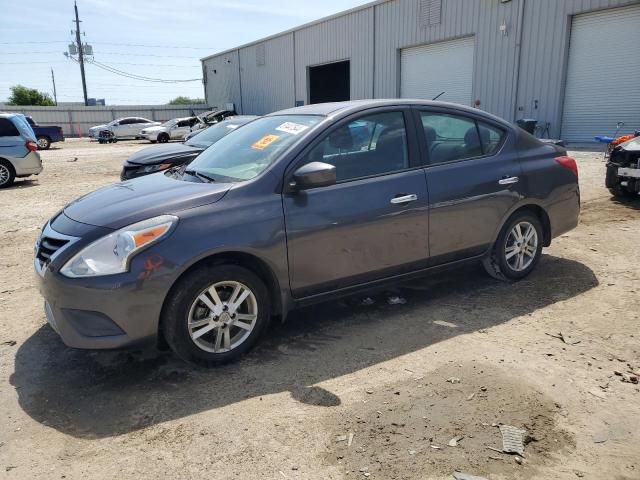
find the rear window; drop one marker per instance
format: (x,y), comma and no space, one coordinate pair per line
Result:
(8,129)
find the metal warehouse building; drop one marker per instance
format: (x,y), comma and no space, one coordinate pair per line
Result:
(571,64)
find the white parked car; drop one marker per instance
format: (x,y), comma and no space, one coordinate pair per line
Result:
(128,127)
(174,129)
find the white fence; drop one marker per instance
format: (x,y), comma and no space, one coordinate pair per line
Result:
(75,120)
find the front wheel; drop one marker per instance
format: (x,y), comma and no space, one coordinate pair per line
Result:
(517,250)
(215,314)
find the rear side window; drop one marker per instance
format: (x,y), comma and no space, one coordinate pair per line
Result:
(490,137)
(8,129)
(451,137)
(371,145)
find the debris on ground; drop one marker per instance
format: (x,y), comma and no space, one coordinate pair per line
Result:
(601,436)
(470,397)
(597,393)
(519,460)
(466,476)
(11,343)
(566,338)
(396,300)
(512,439)
(341,438)
(367,301)
(350,440)
(454,441)
(453,380)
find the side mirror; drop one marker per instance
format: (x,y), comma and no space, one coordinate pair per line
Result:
(313,175)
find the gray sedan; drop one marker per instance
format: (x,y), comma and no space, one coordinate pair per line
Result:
(295,208)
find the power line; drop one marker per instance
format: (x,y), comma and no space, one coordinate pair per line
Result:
(138,77)
(114,44)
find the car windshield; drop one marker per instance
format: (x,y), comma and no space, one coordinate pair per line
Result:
(211,135)
(170,123)
(251,149)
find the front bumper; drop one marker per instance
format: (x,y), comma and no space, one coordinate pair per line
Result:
(99,313)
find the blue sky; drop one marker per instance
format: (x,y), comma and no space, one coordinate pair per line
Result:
(35,33)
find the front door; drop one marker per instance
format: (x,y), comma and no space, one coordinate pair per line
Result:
(473,182)
(374,222)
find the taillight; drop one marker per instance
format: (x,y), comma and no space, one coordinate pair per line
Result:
(33,146)
(569,163)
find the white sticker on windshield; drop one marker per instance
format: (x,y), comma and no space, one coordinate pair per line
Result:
(292,128)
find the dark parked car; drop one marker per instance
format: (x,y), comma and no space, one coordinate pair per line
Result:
(293,209)
(623,169)
(46,135)
(161,157)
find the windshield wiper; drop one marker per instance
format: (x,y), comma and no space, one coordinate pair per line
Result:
(200,175)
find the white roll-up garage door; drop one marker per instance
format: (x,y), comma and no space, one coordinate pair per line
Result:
(428,70)
(603,77)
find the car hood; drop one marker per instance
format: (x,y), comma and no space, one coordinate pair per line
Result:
(632,145)
(99,127)
(122,204)
(160,153)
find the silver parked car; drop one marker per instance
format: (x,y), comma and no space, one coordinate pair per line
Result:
(19,155)
(128,127)
(174,129)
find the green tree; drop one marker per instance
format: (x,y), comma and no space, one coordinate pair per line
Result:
(182,100)
(21,95)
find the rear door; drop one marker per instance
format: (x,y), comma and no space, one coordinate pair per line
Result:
(473,178)
(374,222)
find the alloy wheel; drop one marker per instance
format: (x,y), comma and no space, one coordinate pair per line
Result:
(222,317)
(4,174)
(43,143)
(521,246)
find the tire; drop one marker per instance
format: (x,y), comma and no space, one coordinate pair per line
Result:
(153,141)
(185,305)
(503,267)
(7,174)
(621,192)
(163,138)
(44,142)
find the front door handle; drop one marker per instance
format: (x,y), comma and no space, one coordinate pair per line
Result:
(404,199)
(509,181)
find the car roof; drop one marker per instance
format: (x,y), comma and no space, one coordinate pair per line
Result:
(339,109)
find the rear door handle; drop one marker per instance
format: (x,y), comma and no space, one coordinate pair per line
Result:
(509,181)
(404,199)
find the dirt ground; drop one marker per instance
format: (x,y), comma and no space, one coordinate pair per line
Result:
(344,390)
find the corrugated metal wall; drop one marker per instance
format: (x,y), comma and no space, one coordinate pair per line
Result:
(545,48)
(345,38)
(223,80)
(76,120)
(518,73)
(266,70)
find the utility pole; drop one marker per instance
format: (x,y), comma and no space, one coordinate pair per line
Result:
(80,55)
(55,95)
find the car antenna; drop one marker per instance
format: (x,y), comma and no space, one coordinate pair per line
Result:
(437,96)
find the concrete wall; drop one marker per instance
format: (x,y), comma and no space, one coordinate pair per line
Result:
(75,120)
(518,73)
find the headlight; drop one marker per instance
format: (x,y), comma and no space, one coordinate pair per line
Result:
(110,255)
(156,168)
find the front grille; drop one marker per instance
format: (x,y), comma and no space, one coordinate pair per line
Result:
(48,246)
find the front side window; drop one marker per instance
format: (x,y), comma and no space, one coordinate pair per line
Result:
(452,137)
(372,145)
(248,151)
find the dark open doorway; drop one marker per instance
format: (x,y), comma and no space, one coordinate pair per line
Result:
(330,82)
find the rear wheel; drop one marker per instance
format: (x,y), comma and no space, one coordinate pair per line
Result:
(517,250)
(44,142)
(163,138)
(7,174)
(215,314)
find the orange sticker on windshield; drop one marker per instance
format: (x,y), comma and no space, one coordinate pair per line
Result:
(264,142)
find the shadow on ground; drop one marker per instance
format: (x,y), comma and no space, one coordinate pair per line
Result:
(101,394)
